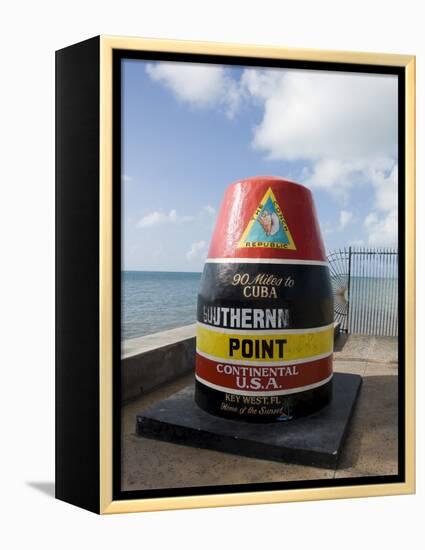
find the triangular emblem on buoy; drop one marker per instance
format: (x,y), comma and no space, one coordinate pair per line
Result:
(267,228)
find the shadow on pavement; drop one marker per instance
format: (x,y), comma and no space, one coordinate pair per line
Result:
(46,487)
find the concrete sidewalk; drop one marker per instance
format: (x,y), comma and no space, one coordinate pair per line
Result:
(371,447)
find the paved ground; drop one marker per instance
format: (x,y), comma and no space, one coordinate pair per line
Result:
(371,447)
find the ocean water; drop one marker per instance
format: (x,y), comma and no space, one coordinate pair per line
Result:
(373,307)
(156,300)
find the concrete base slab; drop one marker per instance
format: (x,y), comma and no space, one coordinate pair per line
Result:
(316,440)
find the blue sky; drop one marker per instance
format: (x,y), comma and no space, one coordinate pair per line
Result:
(190,130)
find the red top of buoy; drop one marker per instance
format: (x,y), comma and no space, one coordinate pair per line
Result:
(267,217)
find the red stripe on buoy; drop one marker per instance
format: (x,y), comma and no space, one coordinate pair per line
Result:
(242,378)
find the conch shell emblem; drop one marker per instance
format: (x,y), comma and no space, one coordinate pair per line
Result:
(269,221)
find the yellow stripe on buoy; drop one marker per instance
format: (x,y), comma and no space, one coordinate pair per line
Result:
(267,348)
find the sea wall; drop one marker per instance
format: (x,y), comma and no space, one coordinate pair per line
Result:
(152,360)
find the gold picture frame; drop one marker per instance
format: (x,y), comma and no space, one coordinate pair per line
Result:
(106,45)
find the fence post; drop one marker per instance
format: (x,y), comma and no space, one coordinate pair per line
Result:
(348,289)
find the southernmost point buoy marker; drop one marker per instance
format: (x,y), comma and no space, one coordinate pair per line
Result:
(265,308)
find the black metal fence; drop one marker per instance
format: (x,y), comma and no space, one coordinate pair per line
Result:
(365,285)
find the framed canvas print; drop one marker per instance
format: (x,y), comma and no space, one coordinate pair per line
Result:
(235,274)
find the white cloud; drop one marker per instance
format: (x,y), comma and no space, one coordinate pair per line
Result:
(356,242)
(209,210)
(197,250)
(326,228)
(382,229)
(385,184)
(260,84)
(343,126)
(158,218)
(125,178)
(200,85)
(345,217)
(324,115)
(336,176)
(382,224)
(340,177)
